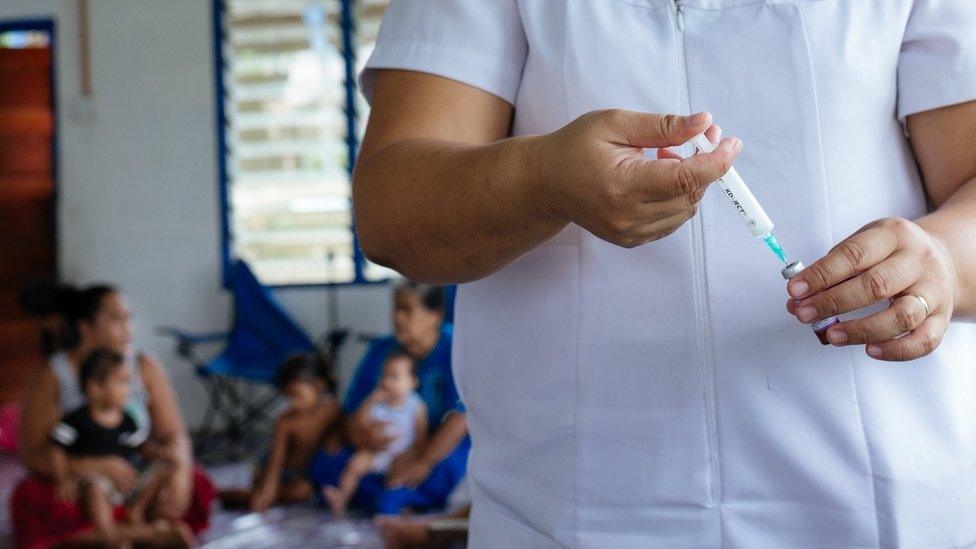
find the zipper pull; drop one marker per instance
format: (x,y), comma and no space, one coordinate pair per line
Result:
(680,12)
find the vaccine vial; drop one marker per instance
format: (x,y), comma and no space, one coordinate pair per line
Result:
(819,327)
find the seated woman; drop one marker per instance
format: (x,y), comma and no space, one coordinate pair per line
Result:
(420,479)
(98,317)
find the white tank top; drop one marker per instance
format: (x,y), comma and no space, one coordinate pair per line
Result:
(71,397)
(402,422)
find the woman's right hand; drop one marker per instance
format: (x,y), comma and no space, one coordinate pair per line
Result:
(593,172)
(122,474)
(373,436)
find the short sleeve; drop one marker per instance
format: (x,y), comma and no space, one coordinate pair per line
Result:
(937,63)
(134,435)
(451,397)
(64,435)
(477,42)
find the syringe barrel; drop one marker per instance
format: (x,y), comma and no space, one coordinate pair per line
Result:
(745,203)
(738,193)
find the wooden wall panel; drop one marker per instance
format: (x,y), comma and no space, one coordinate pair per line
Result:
(27,216)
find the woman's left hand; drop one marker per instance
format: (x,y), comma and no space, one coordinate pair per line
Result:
(889,259)
(408,470)
(175,495)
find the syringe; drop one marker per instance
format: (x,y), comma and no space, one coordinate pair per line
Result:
(744,202)
(759,225)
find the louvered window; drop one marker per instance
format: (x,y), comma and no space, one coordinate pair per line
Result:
(286,114)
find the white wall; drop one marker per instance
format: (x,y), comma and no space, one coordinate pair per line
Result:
(138,203)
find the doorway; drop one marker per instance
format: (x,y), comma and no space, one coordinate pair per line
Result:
(28,246)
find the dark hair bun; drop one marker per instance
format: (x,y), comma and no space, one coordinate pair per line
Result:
(43,296)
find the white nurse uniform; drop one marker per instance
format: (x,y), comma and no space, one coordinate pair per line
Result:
(661,396)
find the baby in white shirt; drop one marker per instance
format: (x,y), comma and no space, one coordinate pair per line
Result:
(394,401)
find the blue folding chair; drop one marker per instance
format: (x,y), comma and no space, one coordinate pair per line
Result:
(261,338)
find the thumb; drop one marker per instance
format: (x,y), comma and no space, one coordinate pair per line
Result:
(652,130)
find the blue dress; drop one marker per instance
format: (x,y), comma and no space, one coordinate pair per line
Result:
(439,393)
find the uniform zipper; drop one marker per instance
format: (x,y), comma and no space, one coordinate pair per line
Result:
(701,295)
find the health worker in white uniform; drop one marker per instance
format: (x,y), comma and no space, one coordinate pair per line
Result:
(632,372)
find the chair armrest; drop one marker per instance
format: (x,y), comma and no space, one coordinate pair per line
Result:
(186,341)
(366,337)
(191,338)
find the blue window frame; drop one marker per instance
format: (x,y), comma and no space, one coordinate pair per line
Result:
(314,44)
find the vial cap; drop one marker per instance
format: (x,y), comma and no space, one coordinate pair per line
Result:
(792,269)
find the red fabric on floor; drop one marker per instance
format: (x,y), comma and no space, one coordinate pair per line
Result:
(40,520)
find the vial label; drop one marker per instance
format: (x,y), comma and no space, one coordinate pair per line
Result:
(824,324)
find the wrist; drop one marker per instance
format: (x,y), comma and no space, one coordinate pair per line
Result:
(530,172)
(941,247)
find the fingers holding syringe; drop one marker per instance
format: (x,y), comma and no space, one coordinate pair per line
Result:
(713,134)
(668,178)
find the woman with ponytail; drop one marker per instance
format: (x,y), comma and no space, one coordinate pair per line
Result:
(98,317)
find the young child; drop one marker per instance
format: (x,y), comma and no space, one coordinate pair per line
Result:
(102,428)
(395,402)
(307,382)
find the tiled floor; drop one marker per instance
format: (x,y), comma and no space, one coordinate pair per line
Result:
(297,526)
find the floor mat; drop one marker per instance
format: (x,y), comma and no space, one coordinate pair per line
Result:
(296,526)
(293,526)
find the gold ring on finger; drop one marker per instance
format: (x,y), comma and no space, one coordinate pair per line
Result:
(924,303)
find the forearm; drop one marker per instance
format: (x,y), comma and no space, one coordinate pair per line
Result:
(37,461)
(954,225)
(421,430)
(177,486)
(151,490)
(276,461)
(363,432)
(81,465)
(357,437)
(360,418)
(447,437)
(60,471)
(443,212)
(420,444)
(179,453)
